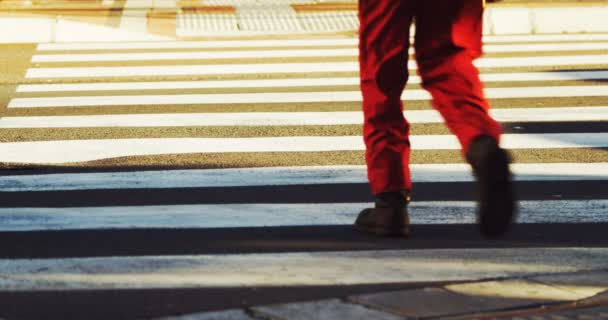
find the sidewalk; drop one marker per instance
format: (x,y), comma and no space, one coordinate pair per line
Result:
(152,20)
(582,295)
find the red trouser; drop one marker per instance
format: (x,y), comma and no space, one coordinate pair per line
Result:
(447,40)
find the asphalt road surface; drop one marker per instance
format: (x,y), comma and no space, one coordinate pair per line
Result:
(150,179)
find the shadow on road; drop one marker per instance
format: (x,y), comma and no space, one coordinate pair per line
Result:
(131,242)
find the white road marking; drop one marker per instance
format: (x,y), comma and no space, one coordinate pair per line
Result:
(546,38)
(199,44)
(206,178)
(278,215)
(273,68)
(302,82)
(287,97)
(67,151)
(289,43)
(285,269)
(176,56)
(212,84)
(564,114)
(546,47)
(289,53)
(91,72)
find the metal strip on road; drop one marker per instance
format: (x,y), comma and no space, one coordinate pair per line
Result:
(297,82)
(285,269)
(562,114)
(291,53)
(289,43)
(257,215)
(283,176)
(288,97)
(254,68)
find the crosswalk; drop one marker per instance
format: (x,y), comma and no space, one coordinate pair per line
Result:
(243,135)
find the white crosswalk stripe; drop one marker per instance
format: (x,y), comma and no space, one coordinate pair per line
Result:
(566,114)
(304,82)
(293,67)
(109,178)
(289,97)
(350,52)
(67,151)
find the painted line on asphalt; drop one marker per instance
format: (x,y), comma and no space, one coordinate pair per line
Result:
(297,82)
(279,176)
(546,47)
(241,177)
(273,68)
(69,151)
(278,215)
(199,44)
(288,97)
(292,269)
(177,56)
(286,53)
(288,43)
(125,71)
(546,38)
(563,114)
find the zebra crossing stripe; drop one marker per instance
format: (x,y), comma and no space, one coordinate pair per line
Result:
(66,151)
(297,82)
(143,56)
(289,43)
(244,177)
(125,71)
(286,53)
(563,114)
(288,97)
(273,68)
(199,44)
(278,215)
(285,269)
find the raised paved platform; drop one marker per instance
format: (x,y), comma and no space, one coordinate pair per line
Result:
(142,20)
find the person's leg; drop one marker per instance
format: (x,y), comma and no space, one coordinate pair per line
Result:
(383,47)
(383,54)
(448,39)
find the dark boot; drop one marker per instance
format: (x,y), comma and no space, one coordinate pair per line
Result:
(388,218)
(496,199)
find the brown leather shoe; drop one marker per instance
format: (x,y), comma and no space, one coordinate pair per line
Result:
(388,218)
(496,207)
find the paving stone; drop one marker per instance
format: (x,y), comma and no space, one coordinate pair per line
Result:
(435,302)
(515,289)
(235,314)
(597,313)
(584,284)
(321,310)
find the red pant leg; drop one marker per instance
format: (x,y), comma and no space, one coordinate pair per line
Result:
(448,39)
(383,48)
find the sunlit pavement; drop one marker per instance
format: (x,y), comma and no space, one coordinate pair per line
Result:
(144,177)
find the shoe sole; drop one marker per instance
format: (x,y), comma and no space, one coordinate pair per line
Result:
(405,232)
(496,196)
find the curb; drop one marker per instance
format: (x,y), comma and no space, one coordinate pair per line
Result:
(189,21)
(533,297)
